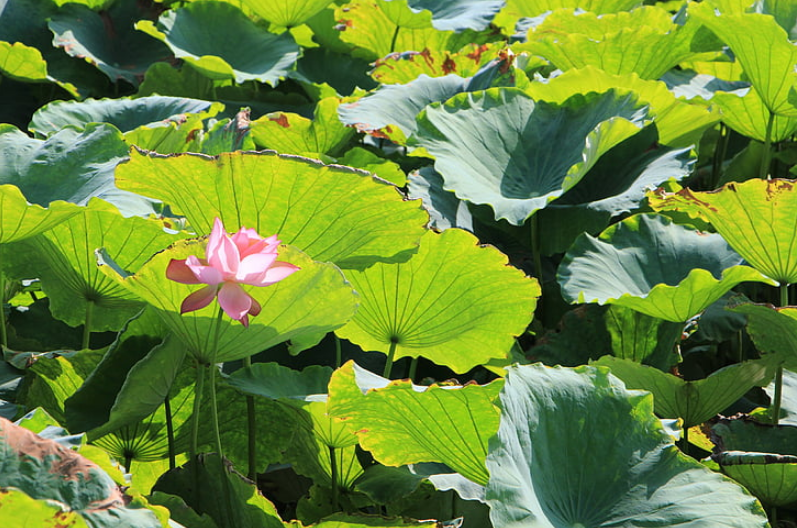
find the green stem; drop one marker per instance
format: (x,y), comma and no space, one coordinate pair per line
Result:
(333,469)
(167,407)
(777,398)
(338,353)
(413,369)
(720,151)
(251,422)
(87,326)
(766,159)
(212,366)
(128,463)
(535,247)
(199,389)
(395,38)
(3,333)
(390,357)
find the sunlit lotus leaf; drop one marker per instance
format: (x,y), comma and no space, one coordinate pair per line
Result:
(761,457)
(454,303)
(489,145)
(20,219)
(680,124)
(217,39)
(749,116)
(108,39)
(773,330)
(401,68)
(644,41)
(343,520)
(22,62)
(641,338)
(576,448)
(458,15)
(763,49)
(164,79)
(45,470)
(401,423)
(124,113)
(652,265)
(289,133)
(286,13)
(16,504)
(311,302)
(756,217)
(332,213)
(361,158)
(693,401)
(517,9)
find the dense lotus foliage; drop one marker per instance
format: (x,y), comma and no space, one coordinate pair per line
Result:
(398,263)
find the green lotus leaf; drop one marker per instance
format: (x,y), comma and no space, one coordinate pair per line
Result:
(459,15)
(108,40)
(22,63)
(166,80)
(401,423)
(748,115)
(644,41)
(16,504)
(45,470)
(126,114)
(762,48)
(344,520)
(332,213)
(323,66)
(286,13)
(575,448)
(760,457)
(517,9)
(694,401)
(643,339)
(273,381)
(773,330)
(361,158)
(454,303)
(679,123)
(217,39)
(21,219)
(487,145)
(654,266)
(756,217)
(402,68)
(293,134)
(445,209)
(788,408)
(311,302)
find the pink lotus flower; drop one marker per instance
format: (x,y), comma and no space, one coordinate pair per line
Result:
(231,260)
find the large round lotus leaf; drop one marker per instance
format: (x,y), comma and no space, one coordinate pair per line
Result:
(654,266)
(773,330)
(493,147)
(763,49)
(22,62)
(286,13)
(749,116)
(332,213)
(401,423)
(402,68)
(644,41)
(311,302)
(679,123)
(761,457)
(457,15)
(20,219)
(517,9)
(694,401)
(45,470)
(217,39)
(454,303)
(756,217)
(108,39)
(124,113)
(576,449)
(272,380)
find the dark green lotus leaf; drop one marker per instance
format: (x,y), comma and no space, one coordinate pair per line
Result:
(108,39)
(444,208)
(401,423)
(459,15)
(749,116)
(763,49)
(272,380)
(332,213)
(217,39)
(342,72)
(761,457)
(124,113)
(179,511)
(579,337)
(788,409)
(576,448)
(694,401)
(773,330)
(45,470)
(311,302)
(654,266)
(756,217)
(488,145)
(22,63)
(643,339)
(454,303)
(164,79)
(21,219)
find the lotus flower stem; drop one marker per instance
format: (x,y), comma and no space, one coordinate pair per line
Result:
(87,325)
(776,400)
(167,407)
(3,333)
(212,366)
(333,470)
(766,158)
(338,353)
(251,425)
(199,388)
(535,247)
(391,354)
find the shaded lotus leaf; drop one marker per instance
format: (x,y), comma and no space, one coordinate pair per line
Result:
(487,144)
(164,79)
(760,457)
(459,15)
(639,477)
(445,209)
(344,520)
(319,298)
(519,9)
(217,39)
(454,303)
(679,123)
(643,339)
(762,48)
(332,213)
(773,330)
(341,71)
(22,63)
(45,470)
(274,381)
(361,158)
(289,133)
(693,401)
(401,423)
(788,408)
(654,266)
(22,219)
(286,13)
(693,85)
(756,217)
(108,40)
(402,68)
(644,41)
(124,113)
(748,115)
